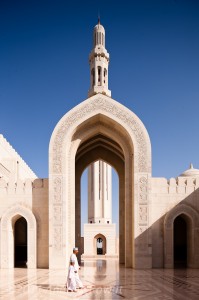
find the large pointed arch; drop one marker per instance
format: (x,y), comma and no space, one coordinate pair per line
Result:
(192,217)
(7,239)
(98,115)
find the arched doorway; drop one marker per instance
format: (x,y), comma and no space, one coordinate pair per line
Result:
(180,242)
(100,129)
(181,228)
(19,236)
(20,243)
(100,244)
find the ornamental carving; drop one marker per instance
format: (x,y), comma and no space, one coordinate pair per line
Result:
(143,201)
(143,190)
(143,214)
(102,105)
(57,190)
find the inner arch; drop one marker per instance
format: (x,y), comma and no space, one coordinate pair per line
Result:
(96,148)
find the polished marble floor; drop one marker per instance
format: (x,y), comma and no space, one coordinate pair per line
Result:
(102,280)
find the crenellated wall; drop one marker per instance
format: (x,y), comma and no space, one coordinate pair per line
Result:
(12,166)
(32,195)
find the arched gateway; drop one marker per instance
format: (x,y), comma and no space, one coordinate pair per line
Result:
(100,128)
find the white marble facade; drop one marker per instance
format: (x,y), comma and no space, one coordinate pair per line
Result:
(158,218)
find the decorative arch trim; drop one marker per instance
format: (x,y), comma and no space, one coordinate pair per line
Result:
(101,104)
(21,210)
(99,235)
(179,210)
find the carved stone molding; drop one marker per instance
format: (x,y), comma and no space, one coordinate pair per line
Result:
(57,213)
(178,210)
(99,105)
(143,201)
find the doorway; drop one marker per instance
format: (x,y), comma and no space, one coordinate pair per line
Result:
(20,243)
(100,244)
(180,242)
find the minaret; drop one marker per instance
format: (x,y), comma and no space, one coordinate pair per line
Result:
(100,193)
(99,60)
(99,232)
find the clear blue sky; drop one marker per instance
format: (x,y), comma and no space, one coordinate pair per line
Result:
(154,71)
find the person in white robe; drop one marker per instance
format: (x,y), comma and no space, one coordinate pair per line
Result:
(71,280)
(79,284)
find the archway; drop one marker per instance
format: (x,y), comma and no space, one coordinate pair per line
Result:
(102,148)
(180,242)
(20,243)
(189,219)
(100,244)
(8,222)
(99,128)
(99,212)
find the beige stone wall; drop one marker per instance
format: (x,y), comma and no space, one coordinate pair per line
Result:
(166,196)
(40,210)
(28,199)
(108,231)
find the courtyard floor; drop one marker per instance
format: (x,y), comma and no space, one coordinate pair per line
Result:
(102,279)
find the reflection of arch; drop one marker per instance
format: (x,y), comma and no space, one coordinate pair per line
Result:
(100,236)
(7,240)
(71,140)
(192,219)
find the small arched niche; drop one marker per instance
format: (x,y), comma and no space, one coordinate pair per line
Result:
(100,244)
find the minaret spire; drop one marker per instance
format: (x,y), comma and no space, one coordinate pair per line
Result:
(99,61)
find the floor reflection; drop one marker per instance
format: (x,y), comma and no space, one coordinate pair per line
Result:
(103,279)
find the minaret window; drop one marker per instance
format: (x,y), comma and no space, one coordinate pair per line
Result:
(105,74)
(93,76)
(99,75)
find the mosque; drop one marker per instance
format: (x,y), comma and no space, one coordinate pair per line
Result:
(40,219)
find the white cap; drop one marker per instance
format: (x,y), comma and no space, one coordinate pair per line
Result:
(75,249)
